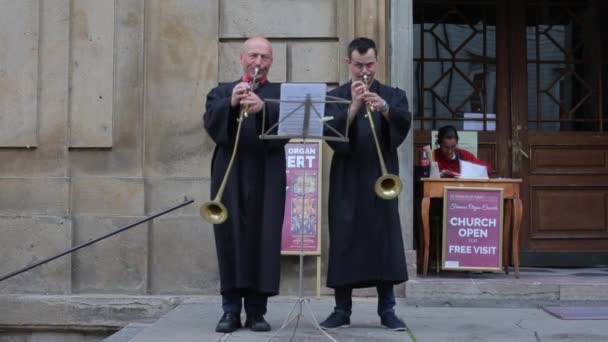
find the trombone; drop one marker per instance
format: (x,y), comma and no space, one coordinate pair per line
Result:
(387,186)
(214,211)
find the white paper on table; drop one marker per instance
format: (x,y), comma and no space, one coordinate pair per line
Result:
(471,170)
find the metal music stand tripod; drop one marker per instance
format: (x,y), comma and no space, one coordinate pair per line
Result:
(307,105)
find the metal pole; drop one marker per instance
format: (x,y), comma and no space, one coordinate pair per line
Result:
(73,249)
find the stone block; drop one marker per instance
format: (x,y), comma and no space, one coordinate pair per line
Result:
(163,193)
(108,196)
(206,150)
(488,290)
(118,162)
(117,264)
(125,157)
(286,19)
(231,70)
(34,196)
(411,263)
(49,158)
(127,333)
(65,336)
(27,240)
(91,73)
(314,62)
(87,312)
(594,292)
(183,259)
(19,31)
(181,68)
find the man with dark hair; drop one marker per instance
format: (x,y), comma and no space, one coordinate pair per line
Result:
(366,245)
(248,243)
(361,45)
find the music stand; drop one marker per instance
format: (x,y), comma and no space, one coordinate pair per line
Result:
(307,103)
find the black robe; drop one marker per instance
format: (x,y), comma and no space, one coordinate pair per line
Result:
(365,241)
(248,243)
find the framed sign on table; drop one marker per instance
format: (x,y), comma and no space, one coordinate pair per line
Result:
(472,229)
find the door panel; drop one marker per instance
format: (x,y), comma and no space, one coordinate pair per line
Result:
(585,205)
(550,159)
(565,148)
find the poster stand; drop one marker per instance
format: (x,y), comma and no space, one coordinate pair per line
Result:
(303,157)
(307,104)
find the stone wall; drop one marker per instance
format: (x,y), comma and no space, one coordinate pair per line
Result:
(100,125)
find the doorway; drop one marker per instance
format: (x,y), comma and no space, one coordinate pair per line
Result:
(531,77)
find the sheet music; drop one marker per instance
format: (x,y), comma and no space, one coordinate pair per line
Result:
(291,114)
(470,170)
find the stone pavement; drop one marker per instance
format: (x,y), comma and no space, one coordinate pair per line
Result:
(534,286)
(191,322)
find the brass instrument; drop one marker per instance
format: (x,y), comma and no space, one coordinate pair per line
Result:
(387,186)
(214,211)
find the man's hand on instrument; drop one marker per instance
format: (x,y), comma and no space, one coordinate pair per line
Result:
(253,103)
(374,100)
(239,93)
(357,91)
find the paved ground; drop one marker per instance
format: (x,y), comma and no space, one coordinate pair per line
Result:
(196,322)
(441,307)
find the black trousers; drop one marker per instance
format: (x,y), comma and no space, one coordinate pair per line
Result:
(254,302)
(386,299)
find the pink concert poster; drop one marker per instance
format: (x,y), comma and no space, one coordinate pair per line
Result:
(301,223)
(472,229)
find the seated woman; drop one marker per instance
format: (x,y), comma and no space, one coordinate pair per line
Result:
(448,155)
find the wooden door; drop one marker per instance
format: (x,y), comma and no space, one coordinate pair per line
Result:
(558,60)
(536,71)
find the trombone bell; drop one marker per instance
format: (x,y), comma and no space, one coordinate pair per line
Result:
(388,186)
(214,212)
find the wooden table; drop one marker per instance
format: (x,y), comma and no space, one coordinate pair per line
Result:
(433,188)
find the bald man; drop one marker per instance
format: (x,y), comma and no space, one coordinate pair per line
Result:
(248,243)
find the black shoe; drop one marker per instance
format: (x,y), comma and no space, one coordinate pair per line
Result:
(228,323)
(256,322)
(391,321)
(335,320)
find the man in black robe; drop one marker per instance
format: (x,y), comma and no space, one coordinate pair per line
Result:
(248,243)
(366,245)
